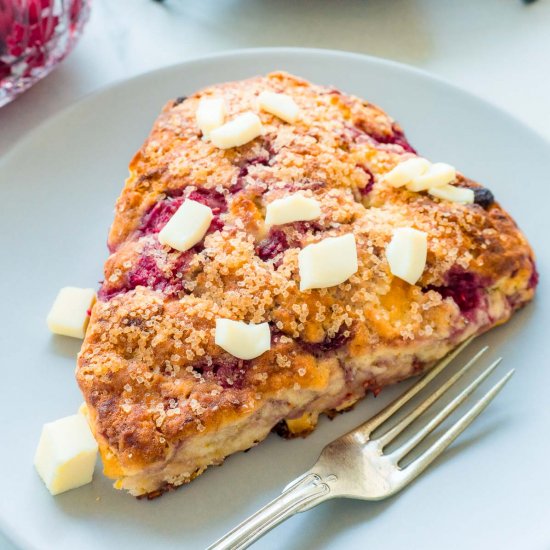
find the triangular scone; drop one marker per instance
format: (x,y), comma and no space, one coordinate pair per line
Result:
(166,402)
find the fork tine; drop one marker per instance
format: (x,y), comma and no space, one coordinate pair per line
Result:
(445,412)
(429,455)
(391,434)
(394,406)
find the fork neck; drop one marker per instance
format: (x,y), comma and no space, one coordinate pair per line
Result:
(306,491)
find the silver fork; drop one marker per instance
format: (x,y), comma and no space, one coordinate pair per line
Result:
(355,466)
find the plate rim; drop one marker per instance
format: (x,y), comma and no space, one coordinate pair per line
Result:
(240,52)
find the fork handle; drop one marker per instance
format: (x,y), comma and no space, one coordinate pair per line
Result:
(303,491)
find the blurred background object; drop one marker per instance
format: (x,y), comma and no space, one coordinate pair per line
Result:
(497,49)
(35,35)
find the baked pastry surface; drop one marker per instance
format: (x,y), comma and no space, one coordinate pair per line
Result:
(165,402)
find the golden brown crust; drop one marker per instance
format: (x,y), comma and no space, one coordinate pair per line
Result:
(149,369)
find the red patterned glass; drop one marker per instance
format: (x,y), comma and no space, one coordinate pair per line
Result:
(35,35)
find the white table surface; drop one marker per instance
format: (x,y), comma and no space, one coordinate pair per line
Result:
(498,49)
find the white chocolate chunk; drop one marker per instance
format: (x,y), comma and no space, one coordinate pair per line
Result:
(328,262)
(210,114)
(406,254)
(280,105)
(293,208)
(241,339)
(66,454)
(187,226)
(406,171)
(69,313)
(236,132)
(436,175)
(452,193)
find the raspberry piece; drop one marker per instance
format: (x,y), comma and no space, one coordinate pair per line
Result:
(328,344)
(275,243)
(229,373)
(465,288)
(157,216)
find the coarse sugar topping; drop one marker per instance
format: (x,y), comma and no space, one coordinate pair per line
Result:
(149,358)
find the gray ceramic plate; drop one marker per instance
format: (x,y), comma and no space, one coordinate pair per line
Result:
(58,186)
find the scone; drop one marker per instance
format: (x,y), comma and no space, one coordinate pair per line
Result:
(165,400)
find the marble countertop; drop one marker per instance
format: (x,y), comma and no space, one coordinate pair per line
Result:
(497,49)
